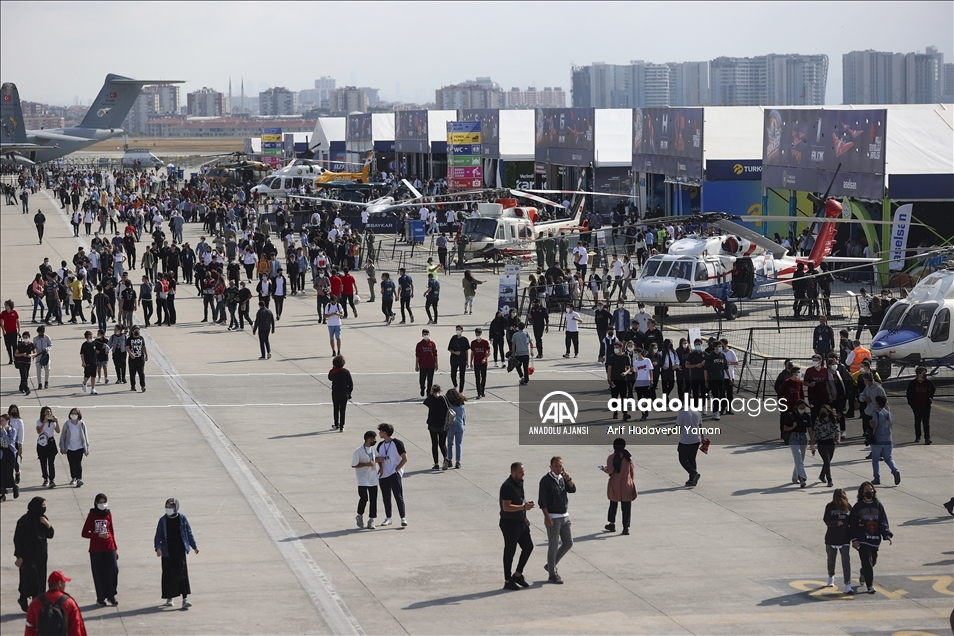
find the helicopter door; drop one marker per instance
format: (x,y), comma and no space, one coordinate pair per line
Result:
(513,232)
(743,279)
(501,233)
(941,331)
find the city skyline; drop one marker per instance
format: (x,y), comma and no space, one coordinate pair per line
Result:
(188,52)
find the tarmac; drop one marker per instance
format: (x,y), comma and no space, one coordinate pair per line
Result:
(245,446)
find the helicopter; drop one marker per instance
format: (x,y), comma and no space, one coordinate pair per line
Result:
(237,171)
(918,328)
(302,170)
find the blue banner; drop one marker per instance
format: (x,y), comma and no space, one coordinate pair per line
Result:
(271,131)
(463,127)
(463,149)
(730,170)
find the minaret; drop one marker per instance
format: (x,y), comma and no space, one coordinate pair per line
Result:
(230,94)
(243,93)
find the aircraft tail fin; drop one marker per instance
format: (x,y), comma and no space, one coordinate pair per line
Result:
(825,240)
(12,128)
(115,100)
(366,170)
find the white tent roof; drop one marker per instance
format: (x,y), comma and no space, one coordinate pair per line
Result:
(613,130)
(437,124)
(328,129)
(732,132)
(382,126)
(517,137)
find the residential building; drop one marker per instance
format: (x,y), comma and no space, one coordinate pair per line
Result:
(879,77)
(277,101)
(349,99)
(205,102)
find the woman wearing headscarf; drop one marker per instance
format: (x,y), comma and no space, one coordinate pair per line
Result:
(29,547)
(8,458)
(103,556)
(621,488)
(173,541)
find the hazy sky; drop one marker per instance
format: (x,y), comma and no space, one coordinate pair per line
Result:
(56,52)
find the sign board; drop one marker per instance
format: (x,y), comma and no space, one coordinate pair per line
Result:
(464,171)
(472,150)
(463,160)
(668,141)
(463,138)
(489,119)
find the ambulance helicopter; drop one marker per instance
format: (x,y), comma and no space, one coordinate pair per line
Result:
(918,328)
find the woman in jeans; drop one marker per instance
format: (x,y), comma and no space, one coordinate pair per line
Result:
(436,415)
(867,526)
(621,488)
(836,537)
(455,433)
(826,436)
(800,432)
(74,443)
(47,427)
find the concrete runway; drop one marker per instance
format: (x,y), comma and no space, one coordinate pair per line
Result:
(244,445)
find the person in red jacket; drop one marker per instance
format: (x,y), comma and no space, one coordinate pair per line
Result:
(103,556)
(74,618)
(791,390)
(348,285)
(425,361)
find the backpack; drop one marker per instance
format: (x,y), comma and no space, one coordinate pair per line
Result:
(52,618)
(449,416)
(30,293)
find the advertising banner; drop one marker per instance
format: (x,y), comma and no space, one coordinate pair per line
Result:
(489,119)
(410,131)
(564,136)
(668,141)
(730,170)
(358,127)
(803,148)
(464,171)
(899,237)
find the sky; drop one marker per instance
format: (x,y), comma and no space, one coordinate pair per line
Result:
(59,52)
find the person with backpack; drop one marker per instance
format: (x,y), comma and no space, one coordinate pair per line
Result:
(55,611)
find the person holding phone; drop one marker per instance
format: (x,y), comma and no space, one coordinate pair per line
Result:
(554,487)
(47,427)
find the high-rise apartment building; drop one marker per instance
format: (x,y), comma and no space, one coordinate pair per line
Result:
(349,99)
(640,84)
(206,102)
(879,77)
(277,101)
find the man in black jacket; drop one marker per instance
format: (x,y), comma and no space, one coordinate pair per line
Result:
(265,326)
(515,527)
(540,319)
(554,502)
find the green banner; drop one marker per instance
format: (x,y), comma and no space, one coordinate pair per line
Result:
(464,160)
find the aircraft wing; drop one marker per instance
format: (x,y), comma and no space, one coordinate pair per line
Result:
(407,184)
(850,259)
(734,228)
(533,197)
(595,194)
(52,136)
(5,148)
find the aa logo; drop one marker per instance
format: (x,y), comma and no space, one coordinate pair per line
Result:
(558,407)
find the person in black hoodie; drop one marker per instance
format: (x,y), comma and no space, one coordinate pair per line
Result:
(867,526)
(29,543)
(498,330)
(341,388)
(437,407)
(836,537)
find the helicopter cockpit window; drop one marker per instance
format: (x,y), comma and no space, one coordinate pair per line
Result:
(526,232)
(942,326)
(296,182)
(893,317)
(918,317)
(664,268)
(702,275)
(501,232)
(652,265)
(681,269)
(482,227)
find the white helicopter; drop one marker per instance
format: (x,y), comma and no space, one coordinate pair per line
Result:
(389,203)
(918,328)
(302,171)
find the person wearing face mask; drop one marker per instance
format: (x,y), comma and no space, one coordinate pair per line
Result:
(801,434)
(621,318)
(837,374)
(23,356)
(882,441)
(479,354)
(43,345)
(498,331)
(667,366)
(458,348)
(30,549)
(920,396)
(715,371)
(103,554)
(816,381)
(88,352)
(437,407)
(682,373)
(540,319)
(425,361)
(621,487)
(642,375)
(606,345)
(74,443)
(695,363)
(618,370)
(867,527)
(836,537)
(47,428)
(8,458)
(172,543)
(573,320)
(602,319)
(138,355)
(826,436)
(792,391)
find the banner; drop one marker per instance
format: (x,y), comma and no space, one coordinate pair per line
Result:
(463,160)
(273,147)
(899,237)
(668,141)
(731,170)
(489,119)
(564,136)
(410,131)
(464,172)
(803,148)
(358,127)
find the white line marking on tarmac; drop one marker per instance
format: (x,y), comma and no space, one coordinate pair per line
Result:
(323,594)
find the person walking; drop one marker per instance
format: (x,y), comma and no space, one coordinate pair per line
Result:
(432,296)
(690,440)
(40,620)
(30,538)
(867,527)
(264,326)
(341,388)
(920,396)
(8,458)
(437,424)
(103,554)
(836,537)
(39,220)
(799,429)
(882,425)
(172,543)
(279,292)
(364,462)
(470,291)
(458,347)
(74,443)
(554,502)
(387,296)
(348,287)
(455,432)
(10,324)
(498,331)
(117,344)
(145,300)
(826,436)
(406,285)
(573,320)
(425,362)
(391,459)
(479,355)
(138,356)
(621,487)
(333,315)
(515,527)
(47,428)
(522,350)
(23,357)
(88,362)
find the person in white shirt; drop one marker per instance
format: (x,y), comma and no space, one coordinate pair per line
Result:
(617,271)
(432,224)
(364,462)
(581,257)
(451,216)
(573,320)
(333,314)
(732,361)
(643,372)
(425,213)
(364,216)
(642,317)
(43,345)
